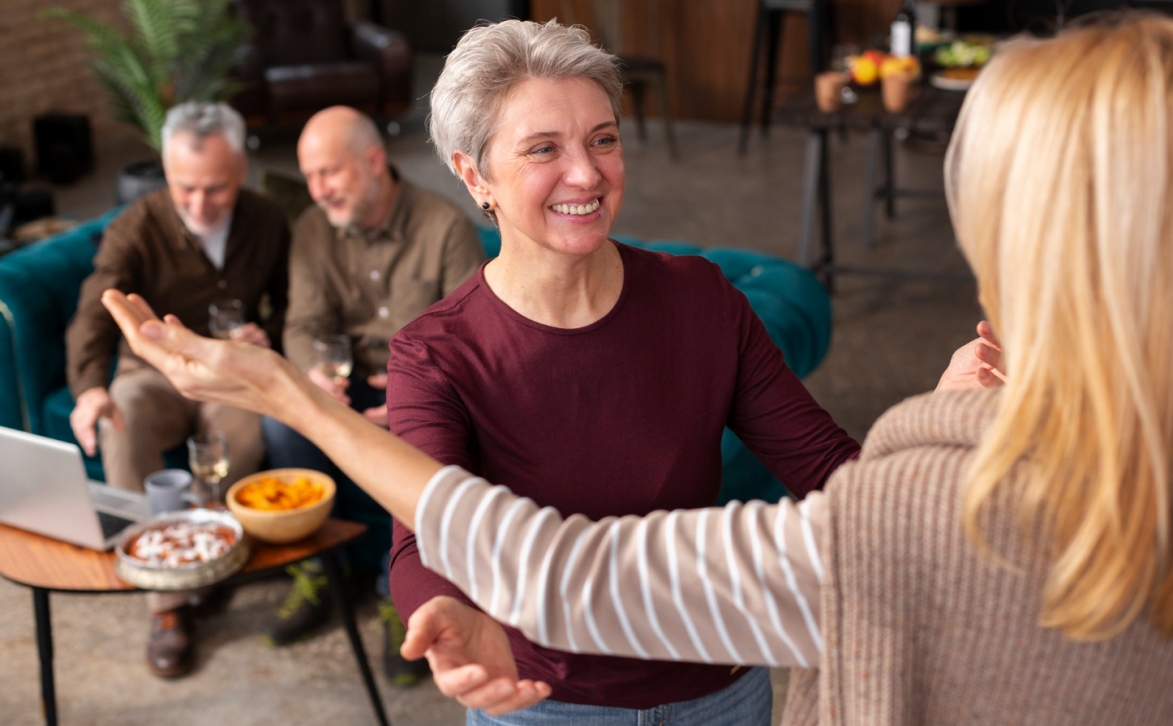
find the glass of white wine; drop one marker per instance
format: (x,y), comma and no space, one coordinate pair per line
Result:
(333,356)
(226,318)
(208,456)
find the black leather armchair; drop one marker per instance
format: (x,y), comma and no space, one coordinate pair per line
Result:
(305,56)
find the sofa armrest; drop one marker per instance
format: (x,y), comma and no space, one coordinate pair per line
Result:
(39,287)
(390,52)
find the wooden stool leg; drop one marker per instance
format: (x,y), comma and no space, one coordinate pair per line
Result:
(341,598)
(638,92)
(751,88)
(45,651)
(774,28)
(666,112)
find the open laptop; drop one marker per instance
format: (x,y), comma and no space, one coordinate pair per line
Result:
(44,489)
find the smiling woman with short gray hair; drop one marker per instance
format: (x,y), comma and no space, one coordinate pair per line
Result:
(589,375)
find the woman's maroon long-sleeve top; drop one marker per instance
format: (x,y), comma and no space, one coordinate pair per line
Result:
(623,416)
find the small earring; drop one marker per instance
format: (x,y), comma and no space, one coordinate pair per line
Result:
(485,205)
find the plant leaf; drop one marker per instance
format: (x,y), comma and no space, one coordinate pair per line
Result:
(181,50)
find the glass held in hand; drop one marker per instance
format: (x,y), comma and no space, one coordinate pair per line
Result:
(226,318)
(333,356)
(208,456)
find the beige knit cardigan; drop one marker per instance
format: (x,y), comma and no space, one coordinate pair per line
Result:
(876,582)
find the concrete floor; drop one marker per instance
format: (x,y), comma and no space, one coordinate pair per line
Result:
(892,339)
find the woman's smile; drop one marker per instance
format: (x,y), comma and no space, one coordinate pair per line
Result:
(578,210)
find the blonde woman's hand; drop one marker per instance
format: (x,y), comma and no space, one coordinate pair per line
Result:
(204,369)
(977,364)
(470,657)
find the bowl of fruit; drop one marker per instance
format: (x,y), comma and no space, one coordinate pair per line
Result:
(960,61)
(282,505)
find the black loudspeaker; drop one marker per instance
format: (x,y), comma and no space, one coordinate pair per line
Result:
(65,146)
(11,165)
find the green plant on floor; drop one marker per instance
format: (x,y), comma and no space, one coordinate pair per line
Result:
(178,50)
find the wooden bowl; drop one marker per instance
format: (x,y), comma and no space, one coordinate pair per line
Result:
(285,525)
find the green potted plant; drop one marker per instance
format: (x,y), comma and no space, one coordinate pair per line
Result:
(177,51)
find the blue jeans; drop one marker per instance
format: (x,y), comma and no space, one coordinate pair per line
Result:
(747,702)
(289,449)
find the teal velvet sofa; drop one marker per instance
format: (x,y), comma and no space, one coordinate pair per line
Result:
(39,288)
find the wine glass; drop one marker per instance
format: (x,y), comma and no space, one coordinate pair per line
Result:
(226,318)
(840,52)
(208,456)
(333,356)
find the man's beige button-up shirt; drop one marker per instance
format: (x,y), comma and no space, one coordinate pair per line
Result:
(368,285)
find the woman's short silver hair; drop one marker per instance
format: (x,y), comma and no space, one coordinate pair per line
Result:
(490,60)
(203,120)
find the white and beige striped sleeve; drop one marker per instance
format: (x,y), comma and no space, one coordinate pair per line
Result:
(735,585)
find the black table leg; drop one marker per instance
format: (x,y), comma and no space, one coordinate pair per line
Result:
(827,263)
(875,149)
(811,184)
(338,591)
(889,178)
(45,651)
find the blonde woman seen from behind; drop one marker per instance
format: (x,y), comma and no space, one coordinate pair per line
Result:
(1059,184)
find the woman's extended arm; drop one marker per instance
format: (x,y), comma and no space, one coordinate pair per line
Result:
(253,378)
(736,585)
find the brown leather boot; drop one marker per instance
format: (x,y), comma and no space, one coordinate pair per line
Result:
(169,651)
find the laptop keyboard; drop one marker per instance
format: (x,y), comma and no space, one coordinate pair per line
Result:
(112,524)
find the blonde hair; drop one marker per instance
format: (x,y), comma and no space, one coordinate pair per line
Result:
(489,61)
(1059,179)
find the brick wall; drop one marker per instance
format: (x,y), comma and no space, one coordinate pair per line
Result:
(43,67)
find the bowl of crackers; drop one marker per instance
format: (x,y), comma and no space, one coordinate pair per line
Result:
(280,506)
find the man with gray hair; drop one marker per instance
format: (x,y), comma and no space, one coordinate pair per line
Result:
(372,254)
(201,240)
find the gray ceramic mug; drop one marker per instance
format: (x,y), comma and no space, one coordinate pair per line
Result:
(169,490)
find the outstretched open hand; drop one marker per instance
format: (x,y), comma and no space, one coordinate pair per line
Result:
(200,368)
(977,364)
(470,657)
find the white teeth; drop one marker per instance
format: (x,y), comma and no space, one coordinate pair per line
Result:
(576,209)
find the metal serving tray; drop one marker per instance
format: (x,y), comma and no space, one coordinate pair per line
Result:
(185,577)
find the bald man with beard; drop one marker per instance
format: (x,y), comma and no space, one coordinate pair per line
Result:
(373,253)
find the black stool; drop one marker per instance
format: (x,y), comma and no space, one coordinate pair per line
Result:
(769,29)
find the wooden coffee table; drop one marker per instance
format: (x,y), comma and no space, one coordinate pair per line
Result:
(47,565)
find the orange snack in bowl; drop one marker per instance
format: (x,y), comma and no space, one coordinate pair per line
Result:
(272,494)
